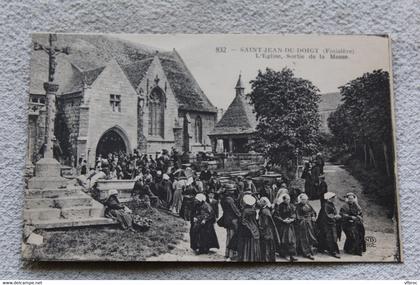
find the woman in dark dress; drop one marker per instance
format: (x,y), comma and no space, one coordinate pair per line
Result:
(165,191)
(327,226)
(284,216)
(269,237)
(306,174)
(187,202)
(352,224)
(305,228)
(315,172)
(202,234)
(248,232)
(114,210)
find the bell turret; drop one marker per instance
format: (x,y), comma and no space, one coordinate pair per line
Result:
(240,88)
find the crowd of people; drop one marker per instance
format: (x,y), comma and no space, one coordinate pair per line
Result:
(261,222)
(260,229)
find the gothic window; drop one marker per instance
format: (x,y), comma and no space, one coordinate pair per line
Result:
(156,112)
(115,102)
(198,130)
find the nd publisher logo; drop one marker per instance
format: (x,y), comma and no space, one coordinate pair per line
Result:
(370,241)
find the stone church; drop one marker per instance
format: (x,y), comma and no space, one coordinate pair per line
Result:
(116,95)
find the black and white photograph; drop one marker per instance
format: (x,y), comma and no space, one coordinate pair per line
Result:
(211,148)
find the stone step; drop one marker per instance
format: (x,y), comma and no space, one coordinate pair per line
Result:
(51,193)
(46,182)
(41,214)
(64,223)
(79,213)
(62,202)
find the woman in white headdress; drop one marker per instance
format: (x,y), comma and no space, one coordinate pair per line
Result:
(305,227)
(202,234)
(115,210)
(269,237)
(352,224)
(328,226)
(284,216)
(248,241)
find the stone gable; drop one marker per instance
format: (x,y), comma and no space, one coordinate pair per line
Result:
(112,80)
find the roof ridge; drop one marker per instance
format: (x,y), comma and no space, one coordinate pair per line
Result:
(137,61)
(196,85)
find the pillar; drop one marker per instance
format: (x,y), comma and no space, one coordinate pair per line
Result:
(47,169)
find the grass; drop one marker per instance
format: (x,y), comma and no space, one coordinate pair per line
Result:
(376,185)
(111,243)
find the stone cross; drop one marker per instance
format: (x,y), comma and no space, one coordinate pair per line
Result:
(51,89)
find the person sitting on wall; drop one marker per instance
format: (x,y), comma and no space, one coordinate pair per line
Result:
(115,210)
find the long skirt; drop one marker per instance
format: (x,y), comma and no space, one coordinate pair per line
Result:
(167,197)
(287,239)
(309,189)
(229,253)
(249,249)
(186,208)
(177,200)
(203,237)
(327,239)
(305,237)
(124,219)
(268,250)
(355,239)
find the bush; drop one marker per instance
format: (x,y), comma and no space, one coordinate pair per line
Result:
(374,182)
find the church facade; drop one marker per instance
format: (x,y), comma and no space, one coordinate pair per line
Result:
(115,96)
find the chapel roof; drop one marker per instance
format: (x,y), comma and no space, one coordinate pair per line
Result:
(239,118)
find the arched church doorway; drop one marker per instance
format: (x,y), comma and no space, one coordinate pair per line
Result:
(112,141)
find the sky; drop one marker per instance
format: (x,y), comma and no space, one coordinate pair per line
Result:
(217,60)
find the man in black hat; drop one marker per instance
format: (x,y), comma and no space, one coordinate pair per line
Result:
(205,176)
(229,219)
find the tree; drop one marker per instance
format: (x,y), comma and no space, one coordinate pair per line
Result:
(286,108)
(364,118)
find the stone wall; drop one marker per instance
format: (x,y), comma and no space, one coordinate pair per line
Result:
(208,121)
(36,127)
(156,78)
(69,109)
(101,118)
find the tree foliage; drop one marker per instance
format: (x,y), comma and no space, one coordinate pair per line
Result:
(363,121)
(286,108)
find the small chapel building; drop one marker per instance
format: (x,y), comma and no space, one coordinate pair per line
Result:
(117,96)
(236,128)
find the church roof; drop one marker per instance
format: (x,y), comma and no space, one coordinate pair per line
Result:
(89,55)
(137,70)
(80,77)
(239,118)
(188,93)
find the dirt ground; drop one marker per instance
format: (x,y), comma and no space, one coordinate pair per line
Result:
(380,230)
